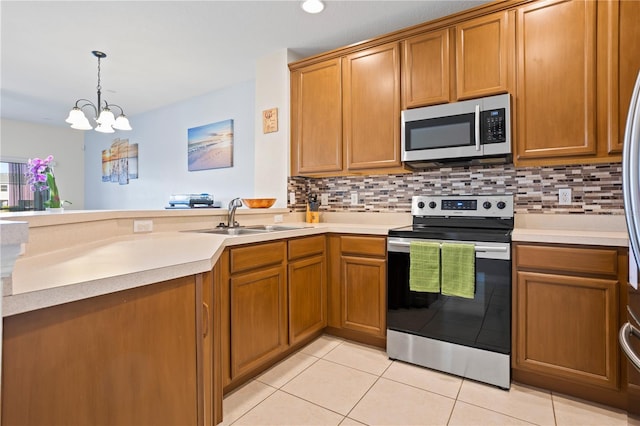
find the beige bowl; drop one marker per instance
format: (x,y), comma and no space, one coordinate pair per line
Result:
(258,203)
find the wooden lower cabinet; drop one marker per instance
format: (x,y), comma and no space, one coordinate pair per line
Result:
(258,318)
(307,272)
(255,318)
(276,295)
(566,316)
(357,288)
(134,357)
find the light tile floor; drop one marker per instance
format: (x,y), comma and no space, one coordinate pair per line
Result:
(336,382)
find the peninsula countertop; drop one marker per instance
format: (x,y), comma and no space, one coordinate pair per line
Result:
(124,262)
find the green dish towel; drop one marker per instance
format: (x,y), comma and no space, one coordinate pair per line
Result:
(424,266)
(458,270)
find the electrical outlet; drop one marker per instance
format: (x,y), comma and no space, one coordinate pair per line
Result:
(142,226)
(324,199)
(292,198)
(277,218)
(354,198)
(564,196)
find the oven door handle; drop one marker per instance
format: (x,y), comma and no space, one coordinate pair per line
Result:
(478,248)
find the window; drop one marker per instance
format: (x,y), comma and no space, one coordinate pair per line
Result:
(15,194)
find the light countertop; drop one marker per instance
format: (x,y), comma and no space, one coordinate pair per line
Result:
(601,230)
(120,263)
(126,261)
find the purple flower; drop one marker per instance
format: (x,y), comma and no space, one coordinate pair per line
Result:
(37,171)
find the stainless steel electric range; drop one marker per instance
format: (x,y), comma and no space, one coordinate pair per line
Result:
(468,337)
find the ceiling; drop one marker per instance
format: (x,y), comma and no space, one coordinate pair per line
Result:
(163,52)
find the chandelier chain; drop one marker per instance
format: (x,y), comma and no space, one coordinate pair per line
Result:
(99,87)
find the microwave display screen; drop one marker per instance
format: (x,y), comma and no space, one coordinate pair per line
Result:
(442,132)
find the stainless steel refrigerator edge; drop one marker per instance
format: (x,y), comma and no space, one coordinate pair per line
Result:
(631,194)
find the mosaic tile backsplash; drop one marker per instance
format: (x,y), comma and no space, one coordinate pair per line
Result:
(595,188)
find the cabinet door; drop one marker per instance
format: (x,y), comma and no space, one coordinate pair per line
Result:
(481,54)
(364,304)
(307,297)
(258,318)
(371,99)
(316,125)
(426,69)
(619,36)
(566,326)
(126,358)
(556,84)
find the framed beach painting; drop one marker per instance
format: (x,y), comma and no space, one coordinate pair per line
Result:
(210,146)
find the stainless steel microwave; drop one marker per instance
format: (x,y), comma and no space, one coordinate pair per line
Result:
(476,131)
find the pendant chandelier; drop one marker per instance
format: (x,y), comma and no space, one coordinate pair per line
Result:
(102,111)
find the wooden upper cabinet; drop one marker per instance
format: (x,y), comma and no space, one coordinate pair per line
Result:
(371,101)
(482,56)
(426,69)
(556,79)
(316,125)
(619,36)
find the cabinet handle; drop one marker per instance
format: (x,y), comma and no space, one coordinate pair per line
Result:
(477,127)
(205,319)
(625,332)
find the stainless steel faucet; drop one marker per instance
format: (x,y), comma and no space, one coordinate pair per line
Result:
(233,205)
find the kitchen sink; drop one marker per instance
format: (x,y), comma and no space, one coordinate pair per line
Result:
(249,230)
(272,228)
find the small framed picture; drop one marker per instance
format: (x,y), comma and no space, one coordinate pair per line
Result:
(270,120)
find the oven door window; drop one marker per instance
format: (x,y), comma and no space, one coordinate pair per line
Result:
(483,322)
(441,132)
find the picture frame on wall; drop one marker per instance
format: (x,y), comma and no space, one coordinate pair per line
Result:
(210,146)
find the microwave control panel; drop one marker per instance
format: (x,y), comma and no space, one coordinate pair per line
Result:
(493,126)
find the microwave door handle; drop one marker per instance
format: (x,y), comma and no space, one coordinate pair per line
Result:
(477,127)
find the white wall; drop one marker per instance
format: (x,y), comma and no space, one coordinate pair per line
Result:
(272,149)
(22,140)
(161,136)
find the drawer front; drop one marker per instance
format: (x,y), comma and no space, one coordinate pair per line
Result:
(597,261)
(303,247)
(257,256)
(368,246)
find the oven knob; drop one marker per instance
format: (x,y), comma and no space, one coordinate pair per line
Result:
(501,205)
(432,204)
(486,205)
(421,205)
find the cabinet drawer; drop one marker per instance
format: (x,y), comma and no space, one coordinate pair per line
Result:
(368,246)
(308,246)
(597,261)
(257,256)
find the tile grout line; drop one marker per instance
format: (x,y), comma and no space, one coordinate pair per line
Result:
(255,406)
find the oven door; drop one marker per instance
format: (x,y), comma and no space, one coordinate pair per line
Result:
(483,322)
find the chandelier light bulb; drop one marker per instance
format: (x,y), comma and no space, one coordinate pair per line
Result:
(122,123)
(82,124)
(75,115)
(106,117)
(103,128)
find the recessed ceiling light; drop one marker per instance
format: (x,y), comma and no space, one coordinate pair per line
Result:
(313,6)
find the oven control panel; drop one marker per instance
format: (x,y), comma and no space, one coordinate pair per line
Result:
(463,205)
